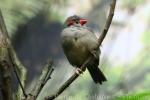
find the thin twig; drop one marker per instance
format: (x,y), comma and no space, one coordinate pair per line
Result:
(19,81)
(44,77)
(101,38)
(22,72)
(48,76)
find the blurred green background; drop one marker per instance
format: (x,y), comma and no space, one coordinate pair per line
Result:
(35,26)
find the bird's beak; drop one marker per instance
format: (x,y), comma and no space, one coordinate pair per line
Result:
(83,21)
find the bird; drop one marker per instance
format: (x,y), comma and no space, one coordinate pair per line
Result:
(79,43)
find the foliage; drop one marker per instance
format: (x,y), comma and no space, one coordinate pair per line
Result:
(132,3)
(139,96)
(145,38)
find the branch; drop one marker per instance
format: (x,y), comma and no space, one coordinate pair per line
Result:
(45,76)
(68,82)
(5,69)
(18,68)
(108,22)
(100,40)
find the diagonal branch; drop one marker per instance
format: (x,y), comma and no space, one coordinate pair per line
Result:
(18,68)
(100,40)
(68,82)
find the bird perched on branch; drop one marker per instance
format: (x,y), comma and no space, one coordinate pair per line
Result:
(79,43)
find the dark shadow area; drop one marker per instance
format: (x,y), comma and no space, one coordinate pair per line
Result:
(37,41)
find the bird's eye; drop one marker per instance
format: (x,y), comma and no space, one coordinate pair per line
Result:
(76,21)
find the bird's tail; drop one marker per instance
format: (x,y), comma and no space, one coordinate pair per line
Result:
(96,74)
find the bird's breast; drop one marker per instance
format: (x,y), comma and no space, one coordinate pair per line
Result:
(75,50)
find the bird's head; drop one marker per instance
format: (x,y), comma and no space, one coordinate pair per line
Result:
(72,20)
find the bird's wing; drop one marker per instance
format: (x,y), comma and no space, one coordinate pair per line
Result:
(90,41)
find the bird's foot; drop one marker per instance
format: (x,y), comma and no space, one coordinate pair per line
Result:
(78,71)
